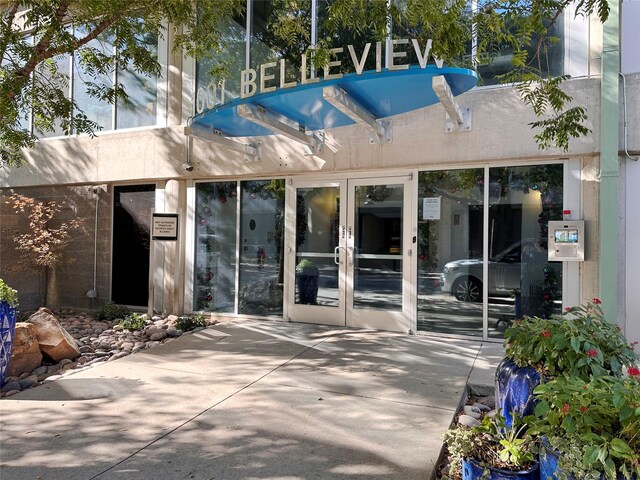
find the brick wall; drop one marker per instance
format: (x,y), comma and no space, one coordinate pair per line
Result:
(68,282)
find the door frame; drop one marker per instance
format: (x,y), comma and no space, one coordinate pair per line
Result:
(301,312)
(404,321)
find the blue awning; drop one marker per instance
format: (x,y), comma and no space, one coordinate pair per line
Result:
(383,94)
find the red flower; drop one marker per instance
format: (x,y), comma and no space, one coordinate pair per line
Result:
(566,408)
(634,371)
(597,301)
(618,328)
(583,409)
(592,353)
(546,334)
(567,309)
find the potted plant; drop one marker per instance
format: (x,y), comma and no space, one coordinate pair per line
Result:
(580,343)
(590,429)
(8,312)
(491,450)
(307,281)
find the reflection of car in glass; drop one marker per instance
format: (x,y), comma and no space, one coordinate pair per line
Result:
(463,278)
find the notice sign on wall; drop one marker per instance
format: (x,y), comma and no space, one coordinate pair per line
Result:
(164,226)
(431,208)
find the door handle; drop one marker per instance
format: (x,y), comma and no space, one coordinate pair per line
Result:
(336,255)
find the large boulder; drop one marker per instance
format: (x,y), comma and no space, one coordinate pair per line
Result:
(54,340)
(25,351)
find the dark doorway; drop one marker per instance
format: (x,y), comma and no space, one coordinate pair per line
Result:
(132,206)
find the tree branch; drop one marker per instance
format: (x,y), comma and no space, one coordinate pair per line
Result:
(8,19)
(45,41)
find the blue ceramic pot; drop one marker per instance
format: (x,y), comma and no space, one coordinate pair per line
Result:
(549,458)
(514,389)
(549,462)
(472,470)
(7,328)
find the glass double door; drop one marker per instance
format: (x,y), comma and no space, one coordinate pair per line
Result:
(349,246)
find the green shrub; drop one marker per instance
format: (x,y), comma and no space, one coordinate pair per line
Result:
(187,324)
(134,321)
(8,294)
(111,311)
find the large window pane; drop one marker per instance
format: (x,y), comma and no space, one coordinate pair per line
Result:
(377,255)
(55,72)
(272,38)
(228,63)
(97,110)
(261,247)
(450,212)
(215,262)
(521,279)
(142,89)
(317,238)
(498,58)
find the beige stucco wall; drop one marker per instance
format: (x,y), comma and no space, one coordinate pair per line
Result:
(500,132)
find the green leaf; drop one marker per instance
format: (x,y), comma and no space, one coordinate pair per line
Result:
(621,447)
(575,344)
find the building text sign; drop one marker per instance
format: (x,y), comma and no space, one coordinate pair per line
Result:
(164,226)
(263,79)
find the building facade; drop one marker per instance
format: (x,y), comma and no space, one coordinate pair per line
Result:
(432,228)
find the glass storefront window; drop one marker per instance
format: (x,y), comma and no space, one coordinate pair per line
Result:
(261,247)
(521,280)
(450,210)
(522,201)
(215,258)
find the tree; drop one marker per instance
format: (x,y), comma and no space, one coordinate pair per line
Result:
(35,33)
(42,246)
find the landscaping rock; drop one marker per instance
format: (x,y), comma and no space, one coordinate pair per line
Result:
(54,340)
(25,352)
(472,411)
(468,421)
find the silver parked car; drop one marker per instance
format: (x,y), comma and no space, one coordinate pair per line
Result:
(463,278)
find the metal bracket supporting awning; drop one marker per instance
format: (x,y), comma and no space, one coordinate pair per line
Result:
(251,151)
(381,130)
(282,125)
(458,118)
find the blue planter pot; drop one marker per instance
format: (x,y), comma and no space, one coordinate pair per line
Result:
(549,462)
(7,329)
(549,459)
(472,470)
(514,389)
(307,287)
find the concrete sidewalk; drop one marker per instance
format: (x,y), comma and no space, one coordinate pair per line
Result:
(248,400)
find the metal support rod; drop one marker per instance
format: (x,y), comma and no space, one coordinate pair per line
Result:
(260,116)
(218,138)
(341,100)
(443,91)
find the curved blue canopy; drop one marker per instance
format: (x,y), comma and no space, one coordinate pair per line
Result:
(384,94)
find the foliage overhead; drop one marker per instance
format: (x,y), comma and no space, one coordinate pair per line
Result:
(35,34)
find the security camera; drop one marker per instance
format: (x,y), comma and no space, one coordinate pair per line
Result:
(187,166)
